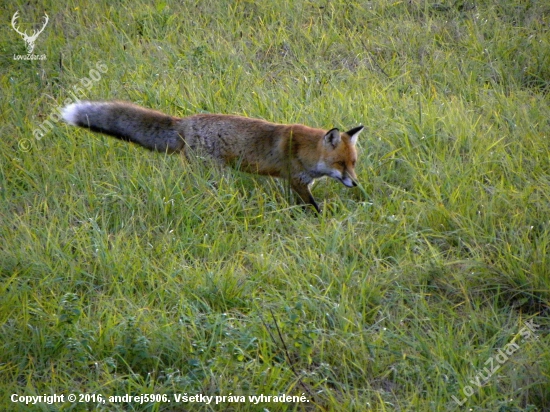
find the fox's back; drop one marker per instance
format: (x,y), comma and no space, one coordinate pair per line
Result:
(256,145)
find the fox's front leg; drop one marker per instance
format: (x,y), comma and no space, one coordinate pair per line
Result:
(304,193)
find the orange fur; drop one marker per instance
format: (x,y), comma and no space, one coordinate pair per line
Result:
(295,152)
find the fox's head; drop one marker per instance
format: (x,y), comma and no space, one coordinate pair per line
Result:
(339,155)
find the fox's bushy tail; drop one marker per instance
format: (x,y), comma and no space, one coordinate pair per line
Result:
(148,128)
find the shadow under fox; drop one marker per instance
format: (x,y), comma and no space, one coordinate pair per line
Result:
(295,152)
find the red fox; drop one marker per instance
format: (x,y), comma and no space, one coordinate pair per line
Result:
(295,152)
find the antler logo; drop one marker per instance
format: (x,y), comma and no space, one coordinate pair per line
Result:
(29,39)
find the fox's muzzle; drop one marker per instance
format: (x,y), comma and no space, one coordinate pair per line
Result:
(348,181)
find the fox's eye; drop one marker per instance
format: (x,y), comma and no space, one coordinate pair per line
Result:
(342,164)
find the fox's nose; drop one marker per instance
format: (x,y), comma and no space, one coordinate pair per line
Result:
(349,182)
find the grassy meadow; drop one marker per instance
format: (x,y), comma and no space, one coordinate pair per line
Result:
(129,272)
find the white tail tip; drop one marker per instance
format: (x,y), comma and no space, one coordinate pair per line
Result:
(73,111)
(70,113)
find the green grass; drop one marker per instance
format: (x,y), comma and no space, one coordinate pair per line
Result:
(125,271)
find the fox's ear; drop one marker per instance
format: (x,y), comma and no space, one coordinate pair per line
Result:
(332,138)
(354,133)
